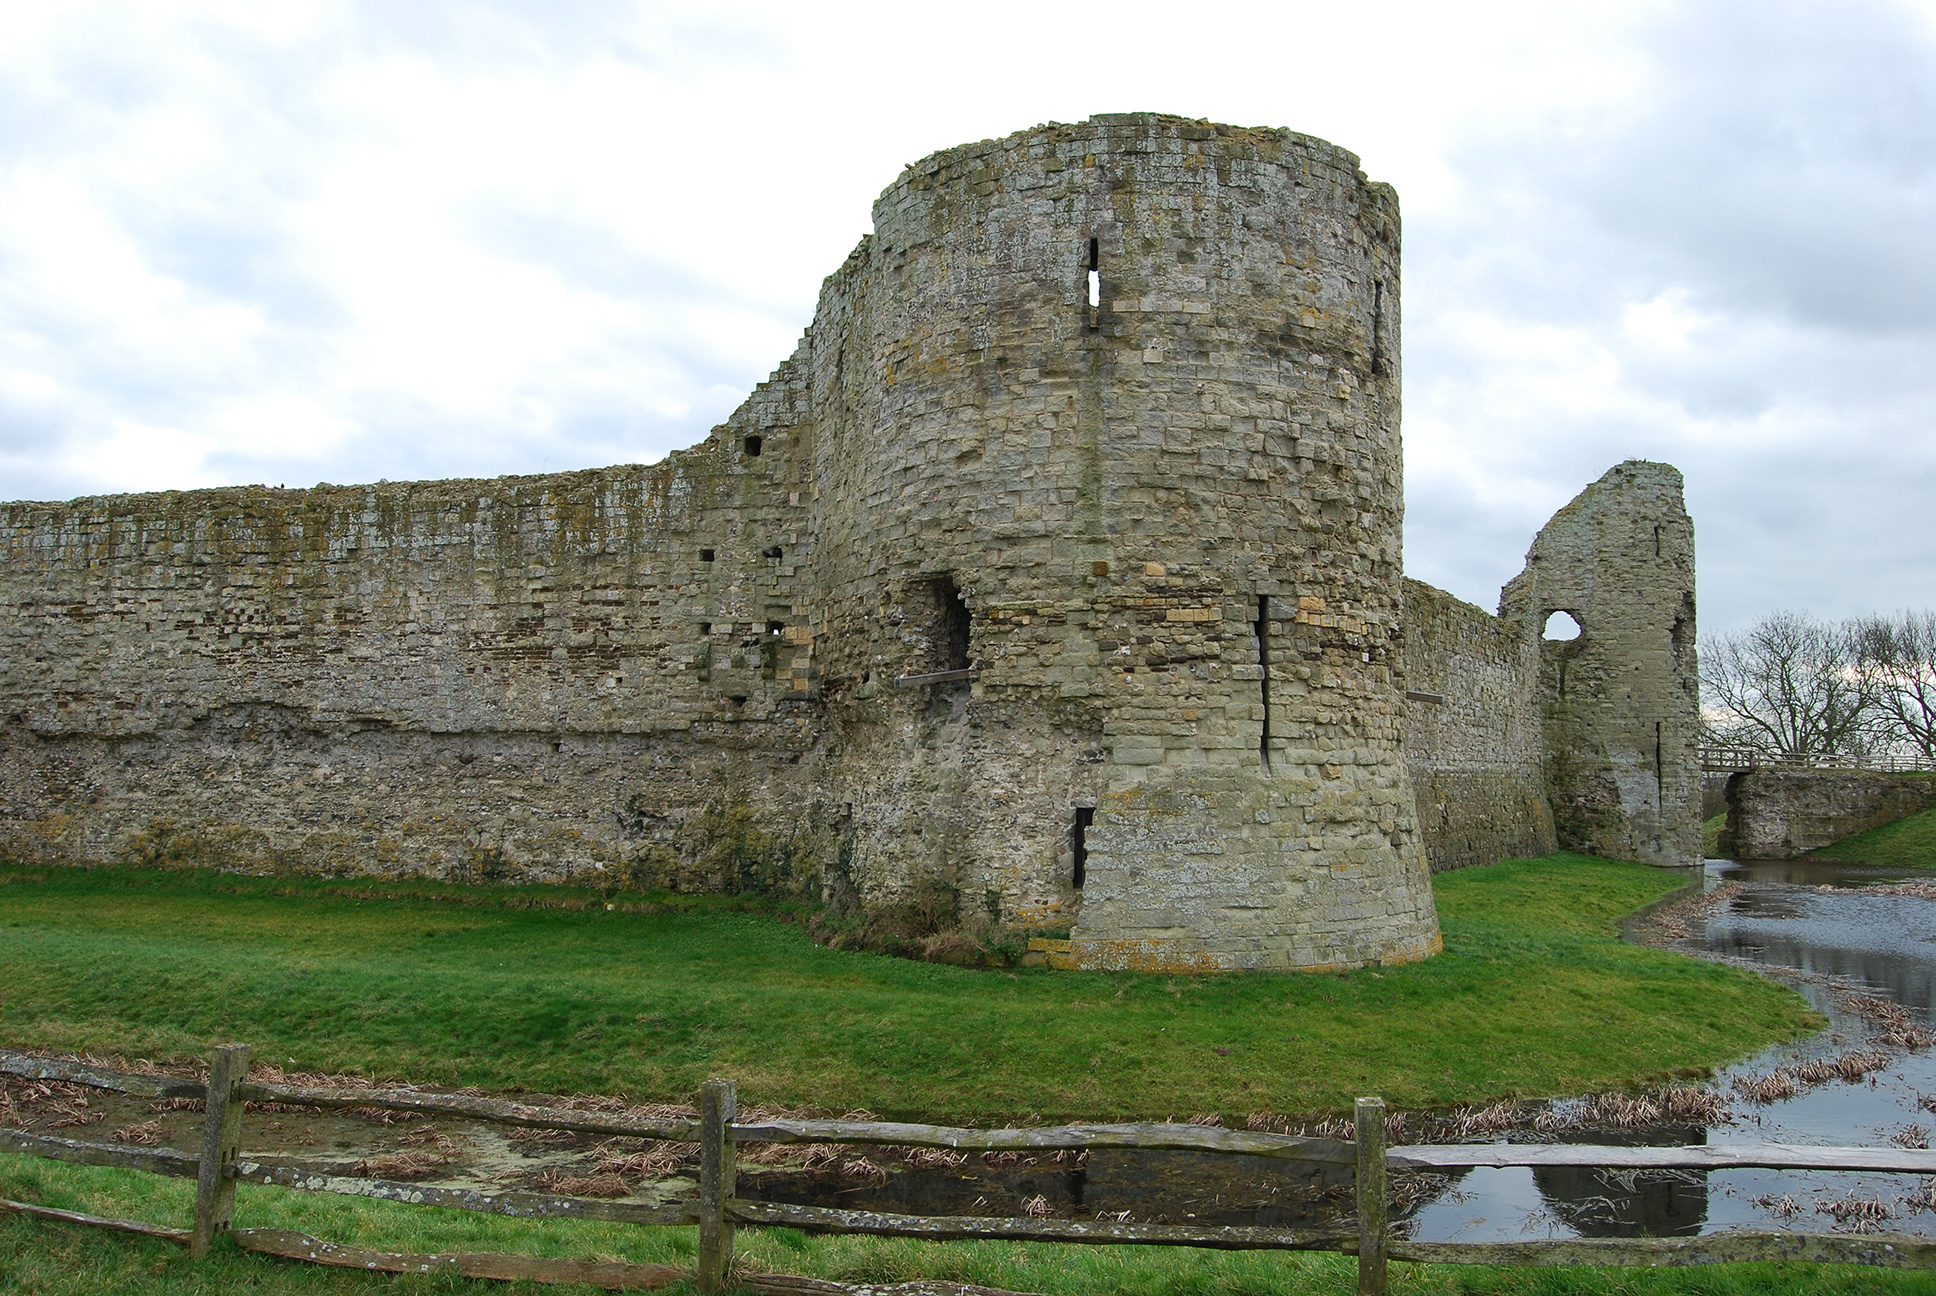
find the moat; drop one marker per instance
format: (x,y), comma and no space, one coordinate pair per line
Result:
(1858,943)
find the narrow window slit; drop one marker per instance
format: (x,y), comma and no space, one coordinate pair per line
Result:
(1263,679)
(1079,843)
(1095,284)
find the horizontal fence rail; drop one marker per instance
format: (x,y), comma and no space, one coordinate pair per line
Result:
(717,1210)
(487,1109)
(1053,1138)
(1013,1228)
(1698,1156)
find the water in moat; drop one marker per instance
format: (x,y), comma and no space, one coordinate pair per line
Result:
(1816,925)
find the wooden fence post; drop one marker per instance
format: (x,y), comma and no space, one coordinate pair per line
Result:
(1373,1225)
(228,1066)
(718,1108)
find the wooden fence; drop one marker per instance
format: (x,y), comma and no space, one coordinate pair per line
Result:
(716,1210)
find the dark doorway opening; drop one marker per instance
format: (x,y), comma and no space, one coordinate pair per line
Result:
(953,627)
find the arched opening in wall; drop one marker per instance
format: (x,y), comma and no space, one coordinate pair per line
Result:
(1562,633)
(1079,844)
(952,629)
(1561,627)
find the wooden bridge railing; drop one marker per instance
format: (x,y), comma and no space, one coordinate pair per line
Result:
(220,1166)
(1740,759)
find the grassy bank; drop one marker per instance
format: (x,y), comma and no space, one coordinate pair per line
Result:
(1533,995)
(1906,843)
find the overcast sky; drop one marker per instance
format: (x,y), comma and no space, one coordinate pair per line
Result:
(301,242)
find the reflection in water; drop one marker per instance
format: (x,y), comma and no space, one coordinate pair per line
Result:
(1607,1203)
(1878,941)
(1809,873)
(1777,905)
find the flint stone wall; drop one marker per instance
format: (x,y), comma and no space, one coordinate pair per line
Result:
(1778,814)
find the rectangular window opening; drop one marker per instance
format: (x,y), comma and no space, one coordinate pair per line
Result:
(706,555)
(1079,844)
(754,445)
(1263,679)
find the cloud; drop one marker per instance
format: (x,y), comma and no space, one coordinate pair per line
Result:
(1732,272)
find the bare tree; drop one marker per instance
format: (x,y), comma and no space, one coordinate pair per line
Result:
(1898,658)
(1788,686)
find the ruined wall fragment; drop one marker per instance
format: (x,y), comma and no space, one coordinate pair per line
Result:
(1621,703)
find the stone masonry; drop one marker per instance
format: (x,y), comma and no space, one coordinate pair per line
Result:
(1056,576)
(1473,735)
(1778,814)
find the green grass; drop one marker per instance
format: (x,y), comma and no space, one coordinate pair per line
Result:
(1906,843)
(64,1260)
(1711,835)
(1534,994)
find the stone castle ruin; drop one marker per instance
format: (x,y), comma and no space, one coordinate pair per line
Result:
(1056,574)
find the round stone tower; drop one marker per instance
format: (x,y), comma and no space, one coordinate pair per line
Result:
(1106,509)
